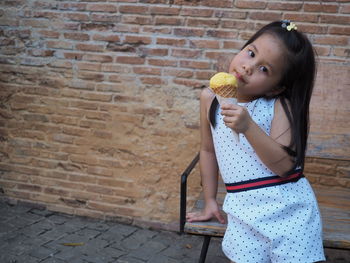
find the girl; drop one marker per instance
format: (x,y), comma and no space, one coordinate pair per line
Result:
(271,209)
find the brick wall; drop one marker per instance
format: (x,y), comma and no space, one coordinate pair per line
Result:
(99,99)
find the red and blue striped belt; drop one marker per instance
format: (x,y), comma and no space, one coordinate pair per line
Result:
(263,182)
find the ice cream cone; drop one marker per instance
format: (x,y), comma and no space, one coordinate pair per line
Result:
(224,86)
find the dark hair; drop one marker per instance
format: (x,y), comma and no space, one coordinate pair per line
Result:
(297,84)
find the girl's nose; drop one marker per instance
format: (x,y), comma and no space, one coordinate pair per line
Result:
(247,69)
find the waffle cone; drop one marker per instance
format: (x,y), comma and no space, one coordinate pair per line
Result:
(227,91)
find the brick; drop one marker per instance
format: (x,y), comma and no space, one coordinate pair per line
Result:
(284,6)
(268,16)
(83,159)
(102,17)
(157,30)
(169,21)
(46,14)
(63,138)
(89,47)
(171,42)
(83,105)
(196,12)
(76,36)
(190,83)
(188,32)
(91,66)
(335,19)
(97,97)
(133,9)
(96,26)
(138,40)
(59,44)
(186,53)
(221,34)
(73,55)
(341,52)
(233,44)
(85,75)
(130,60)
(64,120)
(237,25)
(205,75)
(72,6)
(98,116)
(162,62)
(195,64)
(331,40)
(312,29)
(77,16)
(155,10)
(197,22)
(99,171)
(107,38)
(139,20)
(102,8)
(29,187)
(97,58)
(337,30)
(147,71)
(323,8)
(126,28)
(322,50)
(345,9)
(145,52)
(91,124)
(250,4)
(40,53)
(49,33)
(152,81)
(300,17)
(231,14)
(123,98)
(205,44)
(114,68)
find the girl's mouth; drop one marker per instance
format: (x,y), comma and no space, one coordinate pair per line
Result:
(239,77)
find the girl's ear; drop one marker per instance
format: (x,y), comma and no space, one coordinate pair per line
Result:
(276,91)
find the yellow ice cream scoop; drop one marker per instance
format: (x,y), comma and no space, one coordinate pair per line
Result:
(224,85)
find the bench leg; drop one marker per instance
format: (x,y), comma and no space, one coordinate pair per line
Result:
(204,249)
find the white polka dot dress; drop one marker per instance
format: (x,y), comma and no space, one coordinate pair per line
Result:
(276,224)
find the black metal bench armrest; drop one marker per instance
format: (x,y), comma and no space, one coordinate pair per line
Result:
(183,187)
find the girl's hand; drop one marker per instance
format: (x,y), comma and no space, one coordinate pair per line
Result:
(236,117)
(210,210)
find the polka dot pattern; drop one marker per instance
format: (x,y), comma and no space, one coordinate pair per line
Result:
(274,224)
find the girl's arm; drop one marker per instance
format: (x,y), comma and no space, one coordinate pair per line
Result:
(208,164)
(268,148)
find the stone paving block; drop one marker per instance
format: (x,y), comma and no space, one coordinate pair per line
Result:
(42,252)
(136,239)
(53,234)
(41,212)
(128,259)
(148,249)
(118,232)
(18,259)
(36,229)
(162,259)
(54,260)
(87,233)
(59,219)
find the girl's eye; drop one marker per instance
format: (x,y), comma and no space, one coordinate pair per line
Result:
(264,69)
(251,53)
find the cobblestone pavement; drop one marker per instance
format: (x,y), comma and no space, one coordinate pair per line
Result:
(29,235)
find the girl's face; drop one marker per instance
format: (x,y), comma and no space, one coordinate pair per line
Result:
(259,68)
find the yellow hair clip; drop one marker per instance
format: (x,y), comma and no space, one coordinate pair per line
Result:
(291,27)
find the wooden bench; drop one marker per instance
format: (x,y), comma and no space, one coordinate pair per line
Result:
(334,205)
